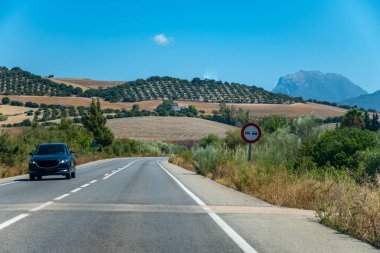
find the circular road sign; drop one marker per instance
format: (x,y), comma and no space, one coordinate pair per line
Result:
(251,133)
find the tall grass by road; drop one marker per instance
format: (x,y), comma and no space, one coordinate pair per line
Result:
(287,170)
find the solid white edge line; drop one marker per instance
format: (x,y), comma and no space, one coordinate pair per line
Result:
(13,220)
(41,206)
(62,196)
(85,185)
(9,183)
(243,244)
(75,190)
(93,181)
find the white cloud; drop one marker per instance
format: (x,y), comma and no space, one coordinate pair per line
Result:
(162,39)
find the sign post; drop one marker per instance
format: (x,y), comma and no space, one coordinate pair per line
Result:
(250,133)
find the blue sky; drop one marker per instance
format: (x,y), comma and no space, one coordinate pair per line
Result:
(252,42)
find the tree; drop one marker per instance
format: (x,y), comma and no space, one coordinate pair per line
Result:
(5,100)
(375,125)
(353,118)
(367,121)
(95,122)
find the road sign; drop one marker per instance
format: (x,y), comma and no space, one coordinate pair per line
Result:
(251,133)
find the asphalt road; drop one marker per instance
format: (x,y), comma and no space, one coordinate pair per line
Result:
(149,205)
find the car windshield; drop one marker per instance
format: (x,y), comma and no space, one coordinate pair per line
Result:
(51,150)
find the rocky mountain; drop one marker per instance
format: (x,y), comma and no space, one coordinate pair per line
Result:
(368,101)
(317,85)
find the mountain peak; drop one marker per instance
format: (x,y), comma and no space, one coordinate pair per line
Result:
(330,87)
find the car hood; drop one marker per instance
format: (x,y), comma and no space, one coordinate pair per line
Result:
(49,157)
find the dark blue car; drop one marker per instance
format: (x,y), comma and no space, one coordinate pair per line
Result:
(52,159)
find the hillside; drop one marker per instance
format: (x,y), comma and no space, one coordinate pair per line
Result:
(368,101)
(316,85)
(19,82)
(177,129)
(86,83)
(155,88)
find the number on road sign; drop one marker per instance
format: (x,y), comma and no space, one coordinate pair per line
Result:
(251,133)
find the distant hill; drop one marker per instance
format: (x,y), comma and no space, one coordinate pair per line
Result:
(368,101)
(86,83)
(19,82)
(156,87)
(317,85)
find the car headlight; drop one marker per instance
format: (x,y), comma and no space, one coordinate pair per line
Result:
(32,162)
(65,161)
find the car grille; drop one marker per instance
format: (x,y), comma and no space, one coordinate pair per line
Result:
(48,163)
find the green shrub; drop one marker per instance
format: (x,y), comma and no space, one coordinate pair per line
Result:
(339,148)
(211,139)
(205,160)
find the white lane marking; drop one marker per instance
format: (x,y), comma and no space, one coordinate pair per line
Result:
(85,185)
(120,169)
(219,221)
(41,206)
(93,181)
(13,220)
(8,183)
(75,190)
(62,196)
(106,174)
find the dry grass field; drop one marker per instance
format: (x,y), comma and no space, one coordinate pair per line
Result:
(15,114)
(257,110)
(86,83)
(74,101)
(168,129)
(262,110)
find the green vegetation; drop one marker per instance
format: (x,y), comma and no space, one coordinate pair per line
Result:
(3,117)
(169,108)
(14,150)
(298,164)
(195,90)
(19,82)
(95,123)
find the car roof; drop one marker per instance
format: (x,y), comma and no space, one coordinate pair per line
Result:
(54,143)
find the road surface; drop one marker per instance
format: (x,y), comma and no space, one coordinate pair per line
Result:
(149,205)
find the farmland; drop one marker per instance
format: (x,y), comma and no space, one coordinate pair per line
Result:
(169,129)
(257,110)
(86,83)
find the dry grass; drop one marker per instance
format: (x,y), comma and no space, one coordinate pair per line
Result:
(86,83)
(341,204)
(15,114)
(257,110)
(262,110)
(166,129)
(68,101)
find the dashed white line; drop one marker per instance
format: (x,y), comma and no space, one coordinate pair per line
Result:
(13,220)
(8,183)
(75,190)
(120,169)
(41,206)
(62,196)
(93,181)
(243,244)
(106,174)
(85,185)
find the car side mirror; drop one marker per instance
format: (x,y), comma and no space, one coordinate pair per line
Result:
(72,153)
(31,154)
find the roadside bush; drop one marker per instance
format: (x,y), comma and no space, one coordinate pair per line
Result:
(338,148)
(205,160)
(211,139)
(233,139)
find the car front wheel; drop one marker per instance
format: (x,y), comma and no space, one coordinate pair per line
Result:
(68,176)
(32,178)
